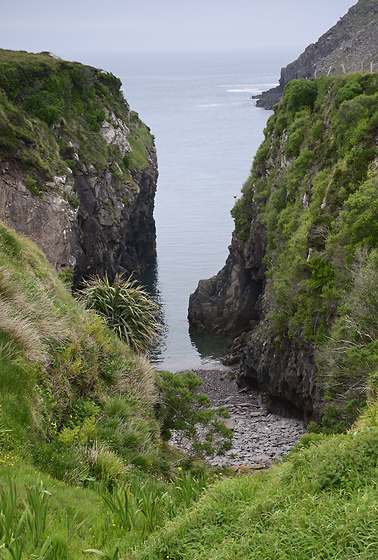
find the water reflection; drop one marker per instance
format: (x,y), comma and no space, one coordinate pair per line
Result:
(208,345)
(150,282)
(179,348)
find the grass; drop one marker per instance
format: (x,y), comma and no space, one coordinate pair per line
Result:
(140,138)
(280,513)
(81,457)
(53,519)
(80,453)
(56,358)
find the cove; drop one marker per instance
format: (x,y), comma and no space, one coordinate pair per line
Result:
(207,130)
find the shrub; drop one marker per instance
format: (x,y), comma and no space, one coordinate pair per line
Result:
(300,93)
(351,89)
(293,144)
(184,409)
(126,307)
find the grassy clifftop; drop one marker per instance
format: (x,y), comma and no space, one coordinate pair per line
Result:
(78,169)
(51,108)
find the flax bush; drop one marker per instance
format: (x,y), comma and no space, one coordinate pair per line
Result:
(126,308)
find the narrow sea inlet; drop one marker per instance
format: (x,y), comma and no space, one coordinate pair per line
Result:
(207,130)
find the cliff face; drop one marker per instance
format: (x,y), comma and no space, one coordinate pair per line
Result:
(349,46)
(78,170)
(307,212)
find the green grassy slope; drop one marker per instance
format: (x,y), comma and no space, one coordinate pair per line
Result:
(81,458)
(321,503)
(75,403)
(65,379)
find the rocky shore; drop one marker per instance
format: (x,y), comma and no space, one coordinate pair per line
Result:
(259,438)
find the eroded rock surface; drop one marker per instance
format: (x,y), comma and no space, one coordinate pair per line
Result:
(229,303)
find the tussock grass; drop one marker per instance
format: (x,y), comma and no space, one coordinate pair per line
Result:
(144,380)
(57,357)
(127,309)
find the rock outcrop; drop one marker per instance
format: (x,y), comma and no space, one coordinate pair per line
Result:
(69,178)
(349,46)
(230,302)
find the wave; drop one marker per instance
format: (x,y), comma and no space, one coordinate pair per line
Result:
(256,84)
(244,90)
(207,105)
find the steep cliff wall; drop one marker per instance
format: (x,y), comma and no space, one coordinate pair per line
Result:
(305,227)
(78,169)
(349,46)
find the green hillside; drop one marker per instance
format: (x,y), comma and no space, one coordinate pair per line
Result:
(51,108)
(314,188)
(62,370)
(319,503)
(84,419)
(80,473)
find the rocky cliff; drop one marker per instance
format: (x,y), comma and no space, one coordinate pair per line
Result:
(349,46)
(292,289)
(78,169)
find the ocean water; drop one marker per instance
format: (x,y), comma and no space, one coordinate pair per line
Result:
(207,130)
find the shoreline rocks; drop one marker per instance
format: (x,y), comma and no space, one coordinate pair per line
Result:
(260,438)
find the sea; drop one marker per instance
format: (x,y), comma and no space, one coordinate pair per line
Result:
(207,129)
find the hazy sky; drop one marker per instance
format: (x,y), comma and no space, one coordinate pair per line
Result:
(72,27)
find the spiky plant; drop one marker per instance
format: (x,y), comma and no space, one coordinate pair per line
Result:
(127,308)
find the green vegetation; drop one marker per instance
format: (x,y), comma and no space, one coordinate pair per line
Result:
(85,466)
(65,378)
(184,409)
(82,460)
(319,503)
(313,186)
(127,308)
(51,113)
(41,517)
(140,137)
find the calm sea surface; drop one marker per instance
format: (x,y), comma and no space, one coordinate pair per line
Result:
(207,130)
